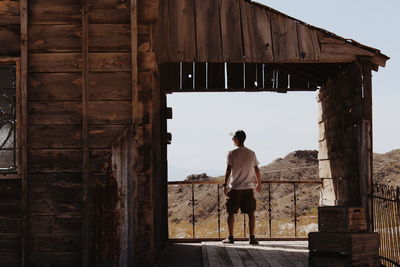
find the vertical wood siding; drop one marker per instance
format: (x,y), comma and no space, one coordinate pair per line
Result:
(239,31)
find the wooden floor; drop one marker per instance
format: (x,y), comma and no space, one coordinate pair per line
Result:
(267,253)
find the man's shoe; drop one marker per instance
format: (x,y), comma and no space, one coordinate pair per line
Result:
(253,240)
(228,240)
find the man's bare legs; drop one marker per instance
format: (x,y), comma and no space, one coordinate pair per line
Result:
(231,223)
(252,226)
(252,223)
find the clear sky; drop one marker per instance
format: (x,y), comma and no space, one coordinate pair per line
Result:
(277,124)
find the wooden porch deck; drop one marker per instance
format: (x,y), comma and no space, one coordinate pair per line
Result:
(240,254)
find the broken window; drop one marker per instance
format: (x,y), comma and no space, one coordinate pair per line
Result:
(8,118)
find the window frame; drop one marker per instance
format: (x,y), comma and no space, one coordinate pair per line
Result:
(18,127)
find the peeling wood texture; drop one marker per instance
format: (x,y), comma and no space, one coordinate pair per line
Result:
(341,124)
(113,210)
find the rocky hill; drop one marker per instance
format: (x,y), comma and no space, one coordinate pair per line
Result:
(387,168)
(298,165)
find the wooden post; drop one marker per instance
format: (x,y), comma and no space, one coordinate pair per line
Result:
(366,66)
(85,152)
(132,182)
(24,134)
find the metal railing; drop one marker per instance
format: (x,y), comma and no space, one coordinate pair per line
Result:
(269,190)
(386,214)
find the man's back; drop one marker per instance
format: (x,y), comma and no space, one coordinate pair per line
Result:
(242,161)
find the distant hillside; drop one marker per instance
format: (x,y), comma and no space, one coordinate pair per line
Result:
(298,165)
(387,168)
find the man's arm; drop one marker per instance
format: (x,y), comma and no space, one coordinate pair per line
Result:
(258,176)
(227,175)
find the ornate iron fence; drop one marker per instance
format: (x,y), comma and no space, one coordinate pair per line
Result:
(291,208)
(386,210)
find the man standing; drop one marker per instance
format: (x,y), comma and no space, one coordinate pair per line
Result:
(241,171)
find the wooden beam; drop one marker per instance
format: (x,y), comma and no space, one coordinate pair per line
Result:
(85,152)
(302,73)
(368,130)
(24,156)
(132,191)
(279,90)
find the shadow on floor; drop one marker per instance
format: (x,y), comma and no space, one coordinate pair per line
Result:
(182,255)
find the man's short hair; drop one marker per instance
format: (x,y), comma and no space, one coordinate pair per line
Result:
(240,135)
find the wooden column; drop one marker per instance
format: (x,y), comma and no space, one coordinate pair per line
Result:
(24,157)
(340,123)
(85,152)
(366,68)
(147,82)
(132,173)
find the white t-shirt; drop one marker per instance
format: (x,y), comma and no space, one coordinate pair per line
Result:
(242,160)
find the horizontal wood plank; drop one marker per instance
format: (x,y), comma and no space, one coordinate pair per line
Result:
(55,193)
(101,136)
(54,113)
(55,242)
(109,62)
(10,190)
(55,224)
(54,12)
(349,243)
(55,62)
(50,207)
(11,209)
(109,11)
(109,37)
(10,225)
(10,259)
(9,13)
(55,87)
(110,112)
(345,49)
(54,160)
(329,57)
(10,40)
(55,136)
(110,86)
(10,243)
(55,38)
(59,259)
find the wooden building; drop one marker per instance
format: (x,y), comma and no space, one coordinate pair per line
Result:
(83,172)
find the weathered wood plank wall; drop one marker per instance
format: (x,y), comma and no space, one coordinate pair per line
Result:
(10,28)
(345,153)
(12,237)
(114,210)
(79,100)
(151,233)
(239,31)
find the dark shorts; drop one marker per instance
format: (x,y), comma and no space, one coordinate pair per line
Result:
(241,198)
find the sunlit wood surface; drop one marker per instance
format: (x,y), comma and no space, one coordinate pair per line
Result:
(267,253)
